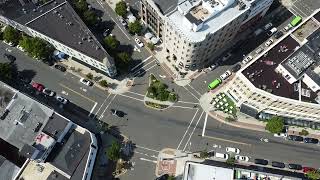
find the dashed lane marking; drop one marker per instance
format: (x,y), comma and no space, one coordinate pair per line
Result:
(85,97)
(226,140)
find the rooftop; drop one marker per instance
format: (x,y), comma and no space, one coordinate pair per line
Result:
(165,6)
(196,171)
(7,169)
(197,18)
(57,20)
(55,126)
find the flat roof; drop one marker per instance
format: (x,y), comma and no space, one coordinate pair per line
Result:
(196,171)
(6,95)
(7,169)
(55,126)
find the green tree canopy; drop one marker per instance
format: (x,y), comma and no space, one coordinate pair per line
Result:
(231,160)
(40,49)
(90,17)
(111,42)
(171,178)
(103,83)
(11,35)
(7,71)
(313,175)
(113,152)
(81,5)
(121,8)
(275,124)
(26,43)
(135,27)
(124,57)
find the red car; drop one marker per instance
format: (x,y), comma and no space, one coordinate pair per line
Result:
(37,86)
(307,169)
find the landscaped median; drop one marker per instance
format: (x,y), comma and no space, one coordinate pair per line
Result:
(158,96)
(222,102)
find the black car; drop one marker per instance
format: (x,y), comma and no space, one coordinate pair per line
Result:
(117,113)
(295,166)
(278,164)
(23,78)
(278,34)
(48,62)
(295,138)
(59,67)
(163,177)
(9,57)
(261,161)
(311,140)
(236,68)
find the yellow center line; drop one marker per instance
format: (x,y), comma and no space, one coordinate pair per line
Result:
(226,140)
(76,92)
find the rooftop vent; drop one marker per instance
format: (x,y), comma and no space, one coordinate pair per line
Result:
(97,47)
(60,8)
(79,42)
(55,12)
(55,2)
(61,16)
(84,38)
(41,10)
(69,23)
(34,10)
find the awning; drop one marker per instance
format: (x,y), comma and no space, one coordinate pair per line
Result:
(148,35)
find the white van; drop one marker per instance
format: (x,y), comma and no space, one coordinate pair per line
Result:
(222,156)
(272,31)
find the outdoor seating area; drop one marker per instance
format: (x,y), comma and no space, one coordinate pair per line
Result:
(223,103)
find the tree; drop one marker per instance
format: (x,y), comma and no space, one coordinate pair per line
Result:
(81,5)
(40,49)
(313,175)
(135,27)
(90,17)
(89,76)
(113,152)
(121,8)
(150,46)
(1,35)
(204,154)
(103,83)
(171,178)
(304,132)
(124,57)
(11,35)
(111,42)
(172,97)
(7,71)
(231,160)
(26,43)
(275,124)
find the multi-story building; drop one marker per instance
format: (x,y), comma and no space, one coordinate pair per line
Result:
(195,32)
(57,23)
(284,80)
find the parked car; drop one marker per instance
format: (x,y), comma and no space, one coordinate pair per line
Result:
(278,164)
(295,166)
(117,113)
(269,42)
(247,59)
(307,169)
(267,26)
(62,99)
(272,31)
(225,75)
(241,158)
(236,68)
(86,82)
(283,135)
(226,57)
(48,92)
(39,87)
(311,140)
(278,34)
(163,177)
(9,57)
(140,44)
(222,155)
(287,28)
(295,138)
(261,161)
(212,67)
(122,21)
(20,48)
(61,68)
(48,62)
(259,50)
(106,32)
(232,150)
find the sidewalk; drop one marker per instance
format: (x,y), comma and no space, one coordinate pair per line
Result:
(115,86)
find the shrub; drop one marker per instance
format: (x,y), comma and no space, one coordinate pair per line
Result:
(275,124)
(103,83)
(121,8)
(89,76)
(303,132)
(204,154)
(150,46)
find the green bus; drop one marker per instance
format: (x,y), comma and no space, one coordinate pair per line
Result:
(214,84)
(296,21)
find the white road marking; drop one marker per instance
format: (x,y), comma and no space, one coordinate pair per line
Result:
(120,28)
(187,102)
(145,70)
(204,125)
(187,129)
(65,93)
(138,71)
(194,89)
(100,3)
(141,63)
(107,107)
(102,105)
(191,93)
(184,107)
(149,160)
(193,131)
(135,93)
(145,154)
(147,148)
(131,97)
(94,106)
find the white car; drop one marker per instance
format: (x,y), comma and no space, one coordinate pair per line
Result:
(123,22)
(222,156)
(212,67)
(247,59)
(20,48)
(48,92)
(140,44)
(225,75)
(287,28)
(282,135)
(267,26)
(86,82)
(62,100)
(241,158)
(269,42)
(232,150)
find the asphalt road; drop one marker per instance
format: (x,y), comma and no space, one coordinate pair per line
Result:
(303,8)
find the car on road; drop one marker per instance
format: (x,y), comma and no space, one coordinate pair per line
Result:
(272,31)
(295,166)
(86,82)
(62,99)
(9,57)
(287,28)
(39,87)
(140,44)
(122,21)
(117,113)
(106,32)
(311,140)
(269,42)
(247,59)
(278,34)
(295,138)
(259,50)
(163,177)
(222,155)
(225,75)
(261,161)
(283,135)
(241,158)
(213,67)
(48,92)
(61,68)
(278,164)
(232,150)
(307,169)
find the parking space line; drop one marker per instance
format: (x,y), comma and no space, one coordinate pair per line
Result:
(185,146)
(64,86)
(187,128)
(226,140)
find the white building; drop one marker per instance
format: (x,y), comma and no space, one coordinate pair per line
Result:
(57,23)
